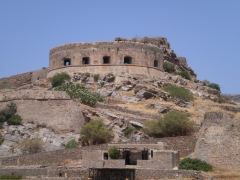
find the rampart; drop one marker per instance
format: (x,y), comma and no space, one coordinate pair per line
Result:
(53,109)
(103,57)
(219,143)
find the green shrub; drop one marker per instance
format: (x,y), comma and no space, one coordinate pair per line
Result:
(129,131)
(72,144)
(5,86)
(214,86)
(14,120)
(179,92)
(195,164)
(111,74)
(8,114)
(114,152)
(184,74)
(1,141)
(95,132)
(168,67)
(173,123)
(80,92)
(59,79)
(10,177)
(96,77)
(87,74)
(44,68)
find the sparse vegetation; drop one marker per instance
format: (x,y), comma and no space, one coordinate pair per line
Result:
(110,74)
(184,74)
(168,67)
(59,79)
(1,141)
(195,164)
(87,74)
(129,131)
(96,77)
(179,92)
(80,92)
(10,177)
(31,145)
(95,132)
(114,152)
(72,144)
(8,114)
(5,86)
(174,123)
(214,86)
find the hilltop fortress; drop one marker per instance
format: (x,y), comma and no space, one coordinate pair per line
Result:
(137,56)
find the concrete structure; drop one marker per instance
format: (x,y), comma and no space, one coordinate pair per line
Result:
(104,57)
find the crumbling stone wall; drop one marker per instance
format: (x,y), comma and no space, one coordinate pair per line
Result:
(53,109)
(219,143)
(17,80)
(39,74)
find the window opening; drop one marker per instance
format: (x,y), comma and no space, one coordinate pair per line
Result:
(155,63)
(127,60)
(151,153)
(106,60)
(105,156)
(144,155)
(85,60)
(127,158)
(67,62)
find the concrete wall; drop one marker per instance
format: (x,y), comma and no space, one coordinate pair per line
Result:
(219,143)
(54,109)
(143,57)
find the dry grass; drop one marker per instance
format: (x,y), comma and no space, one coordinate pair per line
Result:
(237,115)
(139,107)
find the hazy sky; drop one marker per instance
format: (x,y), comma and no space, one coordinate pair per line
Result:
(206,32)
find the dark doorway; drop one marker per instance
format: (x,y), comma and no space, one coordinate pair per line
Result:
(127,60)
(144,155)
(67,62)
(105,156)
(106,60)
(127,158)
(85,60)
(155,63)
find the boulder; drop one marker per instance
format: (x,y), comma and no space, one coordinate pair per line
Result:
(104,92)
(139,87)
(116,95)
(127,88)
(144,94)
(129,99)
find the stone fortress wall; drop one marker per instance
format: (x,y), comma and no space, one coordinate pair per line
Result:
(104,57)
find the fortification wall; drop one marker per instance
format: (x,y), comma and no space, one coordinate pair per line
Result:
(53,109)
(142,56)
(219,143)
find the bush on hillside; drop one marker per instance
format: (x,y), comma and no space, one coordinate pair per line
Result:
(5,86)
(95,132)
(8,114)
(214,86)
(173,123)
(114,153)
(129,131)
(87,74)
(72,144)
(59,79)
(79,91)
(194,164)
(168,67)
(31,145)
(184,74)
(96,77)
(179,92)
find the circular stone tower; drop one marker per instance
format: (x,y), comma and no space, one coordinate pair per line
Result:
(134,58)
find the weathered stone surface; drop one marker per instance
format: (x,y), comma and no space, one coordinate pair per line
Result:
(127,88)
(116,95)
(129,99)
(104,92)
(219,141)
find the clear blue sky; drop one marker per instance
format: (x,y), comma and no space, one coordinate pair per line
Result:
(206,32)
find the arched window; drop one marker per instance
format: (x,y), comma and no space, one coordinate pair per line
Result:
(155,63)
(85,60)
(67,62)
(127,60)
(106,59)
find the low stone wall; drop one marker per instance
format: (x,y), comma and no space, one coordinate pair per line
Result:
(167,174)
(39,74)
(33,95)
(57,158)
